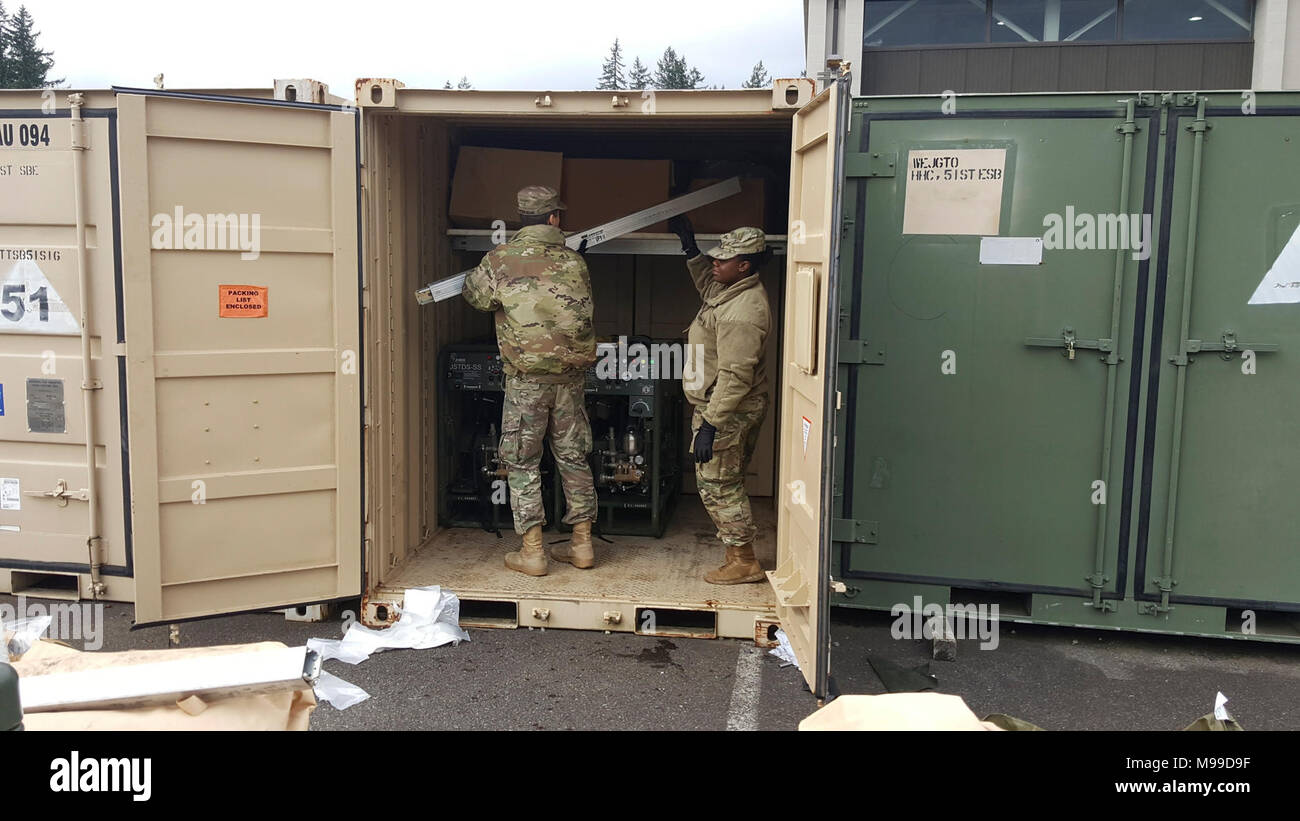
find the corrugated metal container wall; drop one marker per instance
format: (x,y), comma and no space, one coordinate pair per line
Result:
(1045,437)
(217,430)
(59,175)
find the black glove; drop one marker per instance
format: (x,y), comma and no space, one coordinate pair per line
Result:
(681,226)
(703,447)
(582,246)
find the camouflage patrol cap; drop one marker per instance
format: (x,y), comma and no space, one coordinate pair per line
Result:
(539,199)
(740,241)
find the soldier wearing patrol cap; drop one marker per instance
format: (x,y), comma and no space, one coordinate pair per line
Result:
(729,385)
(541,293)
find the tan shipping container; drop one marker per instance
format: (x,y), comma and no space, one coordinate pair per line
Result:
(262,383)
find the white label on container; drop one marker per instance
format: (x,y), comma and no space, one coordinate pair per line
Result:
(954,191)
(10,495)
(1282,282)
(807,428)
(30,305)
(1011,251)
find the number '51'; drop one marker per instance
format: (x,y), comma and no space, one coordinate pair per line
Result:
(11,302)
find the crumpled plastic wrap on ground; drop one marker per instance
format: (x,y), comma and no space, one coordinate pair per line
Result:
(19,636)
(784,651)
(430,617)
(338,692)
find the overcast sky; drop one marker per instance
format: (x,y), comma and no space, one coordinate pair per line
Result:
(496,43)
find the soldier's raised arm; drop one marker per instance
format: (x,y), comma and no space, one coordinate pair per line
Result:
(699,265)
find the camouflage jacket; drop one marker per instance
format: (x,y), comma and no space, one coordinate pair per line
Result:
(728,340)
(541,293)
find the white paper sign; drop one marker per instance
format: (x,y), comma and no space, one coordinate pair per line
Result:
(1282,282)
(954,191)
(807,428)
(1011,251)
(10,495)
(30,305)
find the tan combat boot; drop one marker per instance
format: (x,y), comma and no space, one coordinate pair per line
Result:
(741,567)
(578,552)
(532,558)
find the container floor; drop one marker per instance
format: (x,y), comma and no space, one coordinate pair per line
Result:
(631,571)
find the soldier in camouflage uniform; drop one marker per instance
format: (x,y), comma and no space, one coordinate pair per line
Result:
(728,388)
(541,293)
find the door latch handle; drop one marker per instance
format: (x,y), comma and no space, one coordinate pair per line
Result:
(1071,343)
(61,493)
(1227,345)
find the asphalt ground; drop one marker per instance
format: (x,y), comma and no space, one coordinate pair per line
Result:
(1058,678)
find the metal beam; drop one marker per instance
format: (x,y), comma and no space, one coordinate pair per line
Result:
(1006,21)
(1229,13)
(889,19)
(1091,25)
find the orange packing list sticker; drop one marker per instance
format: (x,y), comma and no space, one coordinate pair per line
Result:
(241,300)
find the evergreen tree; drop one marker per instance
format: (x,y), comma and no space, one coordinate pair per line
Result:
(639,76)
(672,71)
(26,65)
(464,85)
(4,47)
(758,78)
(611,71)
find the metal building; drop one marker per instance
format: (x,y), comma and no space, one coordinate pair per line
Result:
(1008,46)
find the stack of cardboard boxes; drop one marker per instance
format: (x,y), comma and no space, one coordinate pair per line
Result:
(596,191)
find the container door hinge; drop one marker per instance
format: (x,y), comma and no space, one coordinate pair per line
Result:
(855,531)
(872,164)
(861,352)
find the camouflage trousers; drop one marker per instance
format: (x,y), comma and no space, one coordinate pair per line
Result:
(531,408)
(721,480)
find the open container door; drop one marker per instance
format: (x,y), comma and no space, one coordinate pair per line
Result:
(244,411)
(808,363)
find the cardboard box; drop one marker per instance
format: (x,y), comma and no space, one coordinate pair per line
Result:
(748,208)
(486,183)
(598,191)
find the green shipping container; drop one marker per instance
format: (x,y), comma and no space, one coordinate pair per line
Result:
(1055,394)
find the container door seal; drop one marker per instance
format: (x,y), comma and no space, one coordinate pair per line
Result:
(802,576)
(244,412)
